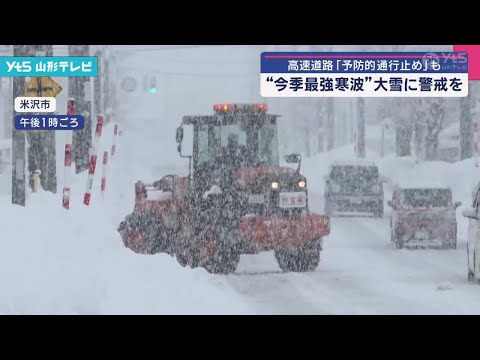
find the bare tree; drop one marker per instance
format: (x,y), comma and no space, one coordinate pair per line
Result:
(402,119)
(428,117)
(466,126)
(435,121)
(330,123)
(361,128)
(418,114)
(320,133)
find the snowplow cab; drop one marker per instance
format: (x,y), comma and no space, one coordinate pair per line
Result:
(237,150)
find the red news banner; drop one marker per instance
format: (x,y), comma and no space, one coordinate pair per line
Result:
(473,52)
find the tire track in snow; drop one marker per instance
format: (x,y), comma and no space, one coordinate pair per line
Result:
(360,273)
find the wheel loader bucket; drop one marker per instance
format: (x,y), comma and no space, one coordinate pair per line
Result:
(144,231)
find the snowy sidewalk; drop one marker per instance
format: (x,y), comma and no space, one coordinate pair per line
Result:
(57,261)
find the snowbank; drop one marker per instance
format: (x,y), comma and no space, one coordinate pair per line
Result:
(57,262)
(54,261)
(406,172)
(461,177)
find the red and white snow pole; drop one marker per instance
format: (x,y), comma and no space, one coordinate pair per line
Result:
(115,133)
(104,173)
(93,160)
(68,158)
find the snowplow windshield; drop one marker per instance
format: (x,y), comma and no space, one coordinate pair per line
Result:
(426,197)
(254,148)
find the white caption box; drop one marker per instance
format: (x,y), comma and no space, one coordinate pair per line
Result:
(35,104)
(270,84)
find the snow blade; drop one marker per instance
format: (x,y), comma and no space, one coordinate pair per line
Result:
(144,233)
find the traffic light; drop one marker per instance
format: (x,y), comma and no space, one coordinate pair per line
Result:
(153,85)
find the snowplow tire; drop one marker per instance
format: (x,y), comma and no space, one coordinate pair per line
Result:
(186,259)
(182,259)
(226,255)
(303,259)
(225,262)
(471,274)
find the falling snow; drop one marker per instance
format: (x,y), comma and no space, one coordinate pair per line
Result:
(364,179)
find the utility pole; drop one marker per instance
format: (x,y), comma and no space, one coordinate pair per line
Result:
(50,178)
(343,136)
(4,106)
(97,88)
(352,121)
(106,81)
(79,89)
(466,125)
(41,144)
(7,100)
(330,124)
(18,136)
(6,95)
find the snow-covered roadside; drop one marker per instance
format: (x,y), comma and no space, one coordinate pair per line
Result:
(54,261)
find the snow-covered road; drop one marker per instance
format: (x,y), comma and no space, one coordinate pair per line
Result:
(75,261)
(361,272)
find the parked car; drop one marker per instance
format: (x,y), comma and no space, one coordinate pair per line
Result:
(473,236)
(423,217)
(354,187)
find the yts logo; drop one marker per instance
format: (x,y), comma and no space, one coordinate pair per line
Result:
(23,66)
(445,57)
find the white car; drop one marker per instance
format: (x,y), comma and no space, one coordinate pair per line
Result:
(473,245)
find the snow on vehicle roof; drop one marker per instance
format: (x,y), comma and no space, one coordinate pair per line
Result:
(355,162)
(419,184)
(411,187)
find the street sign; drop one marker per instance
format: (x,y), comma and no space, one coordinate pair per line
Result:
(42,87)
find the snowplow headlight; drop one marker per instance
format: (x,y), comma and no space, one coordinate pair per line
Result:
(302,184)
(275,185)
